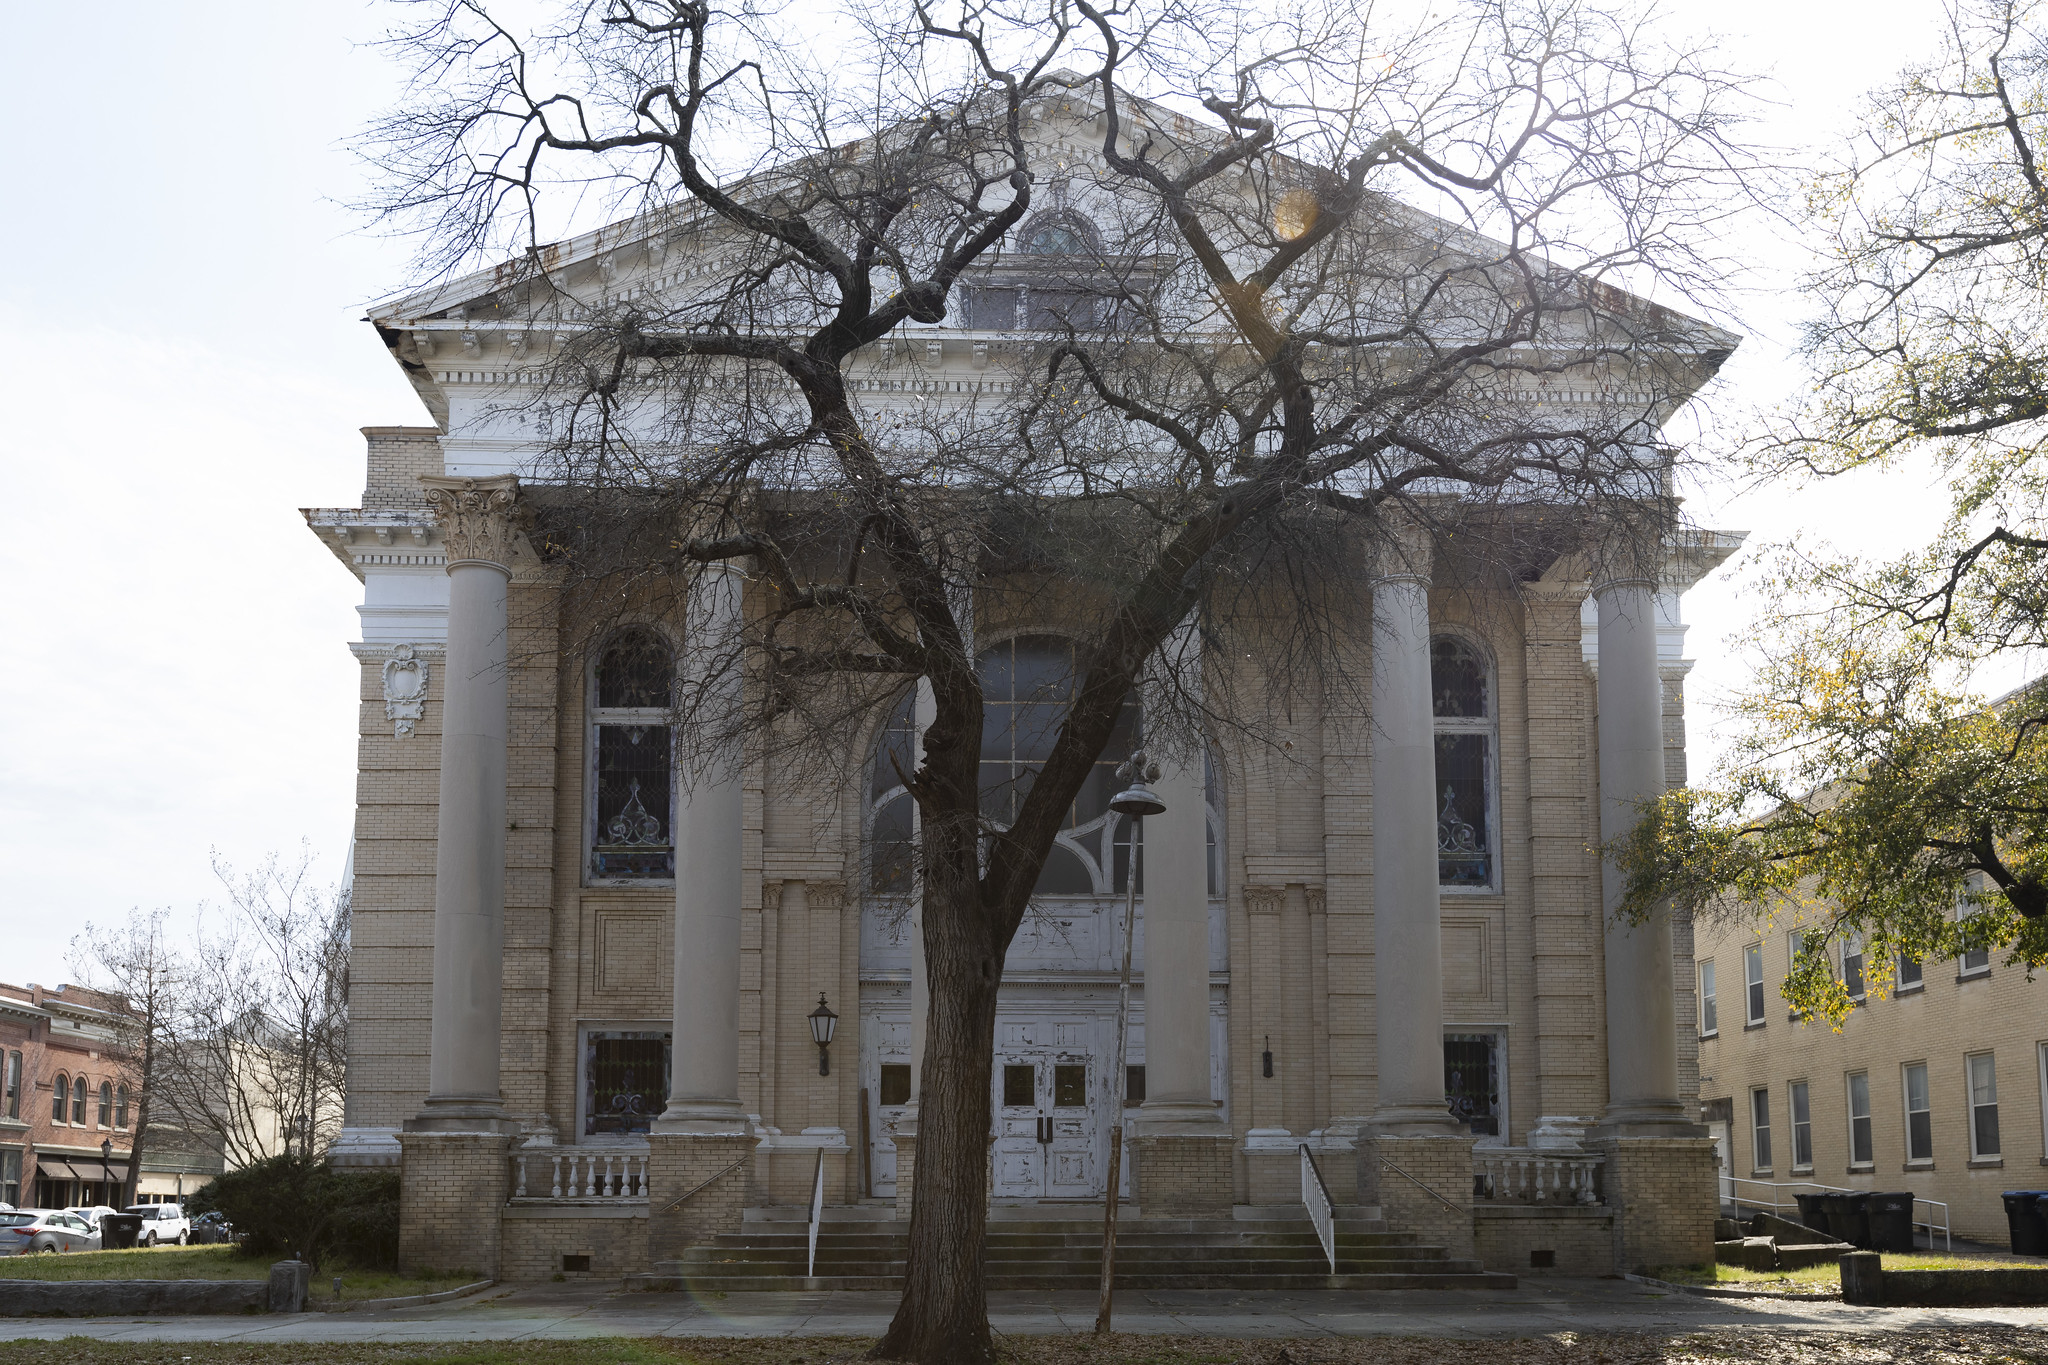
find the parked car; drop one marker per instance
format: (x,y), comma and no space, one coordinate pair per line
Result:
(211,1228)
(163,1223)
(91,1213)
(27,1230)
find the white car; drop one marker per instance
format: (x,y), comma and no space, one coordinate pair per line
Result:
(162,1223)
(33,1230)
(91,1213)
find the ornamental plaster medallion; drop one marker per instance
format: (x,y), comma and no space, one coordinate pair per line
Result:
(405,690)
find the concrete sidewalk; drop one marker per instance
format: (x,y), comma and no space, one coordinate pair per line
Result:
(586,1309)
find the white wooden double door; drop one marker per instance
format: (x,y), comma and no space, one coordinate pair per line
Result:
(1052,1102)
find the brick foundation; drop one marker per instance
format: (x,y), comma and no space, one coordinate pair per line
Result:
(537,1237)
(451,1189)
(1178,1175)
(1429,1191)
(906,1173)
(678,1163)
(1513,1238)
(1664,1195)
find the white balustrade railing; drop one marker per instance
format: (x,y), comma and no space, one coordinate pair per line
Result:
(1520,1175)
(580,1173)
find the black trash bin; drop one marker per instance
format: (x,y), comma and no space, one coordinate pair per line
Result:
(1852,1224)
(2023,1221)
(1834,1209)
(1812,1213)
(120,1231)
(1891,1221)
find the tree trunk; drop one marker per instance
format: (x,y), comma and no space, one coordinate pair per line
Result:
(943,1317)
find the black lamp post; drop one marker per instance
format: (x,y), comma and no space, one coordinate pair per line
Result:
(823,1024)
(106,1164)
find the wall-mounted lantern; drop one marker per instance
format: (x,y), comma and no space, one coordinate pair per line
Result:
(823,1023)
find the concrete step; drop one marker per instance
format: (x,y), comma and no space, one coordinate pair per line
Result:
(1435,1278)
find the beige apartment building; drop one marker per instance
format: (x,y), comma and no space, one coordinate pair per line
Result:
(1937,1086)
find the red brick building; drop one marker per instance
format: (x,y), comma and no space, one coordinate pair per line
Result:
(66,1102)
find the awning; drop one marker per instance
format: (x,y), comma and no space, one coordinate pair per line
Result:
(56,1170)
(83,1168)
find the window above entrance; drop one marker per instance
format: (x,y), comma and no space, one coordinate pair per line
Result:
(1461,689)
(631,773)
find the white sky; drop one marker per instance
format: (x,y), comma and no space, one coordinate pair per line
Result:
(182,368)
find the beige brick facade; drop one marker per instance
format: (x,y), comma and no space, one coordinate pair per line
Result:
(1661,1191)
(1179,1176)
(453,1187)
(1422,1185)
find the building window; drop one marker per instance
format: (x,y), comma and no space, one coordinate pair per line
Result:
(1472,1081)
(1975,959)
(10,1175)
(78,1100)
(1134,1086)
(106,1104)
(2041,1063)
(895,1085)
(1753,981)
(1983,1106)
(1760,1127)
(13,1088)
(1802,1127)
(121,1107)
(892,815)
(1919,1114)
(60,1097)
(1852,964)
(625,1080)
(632,776)
(1859,1118)
(1710,1012)
(1461,696)
(1911,978)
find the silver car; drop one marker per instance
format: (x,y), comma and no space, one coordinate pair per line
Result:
(28,1230)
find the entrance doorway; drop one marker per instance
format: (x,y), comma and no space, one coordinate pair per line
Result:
(1046,1128)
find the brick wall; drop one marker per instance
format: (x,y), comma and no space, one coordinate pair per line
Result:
(1664,1196)
(1512,1239)
(678,1163)
(1178,1176)
(537,1238)
(397,458)
(1429,1191)
(452,1186)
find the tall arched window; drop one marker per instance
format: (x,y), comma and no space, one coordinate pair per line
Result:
(106,1104)
(1027,685)
(78,1100)
(60,1098)
(632,760)
(1461,689)
(121,1107)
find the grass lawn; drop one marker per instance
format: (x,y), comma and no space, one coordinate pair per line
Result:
(1949,1346)
(1819,1279)
(220,1263)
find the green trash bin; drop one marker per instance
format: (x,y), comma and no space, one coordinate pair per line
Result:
(1891,1221)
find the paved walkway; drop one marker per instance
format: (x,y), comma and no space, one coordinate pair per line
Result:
(1539,1307)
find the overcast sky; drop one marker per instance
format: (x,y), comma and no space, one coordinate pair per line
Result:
(183,367)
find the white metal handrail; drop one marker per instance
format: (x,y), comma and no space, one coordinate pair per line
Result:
(817,1213)
(1321,1212)
(1934,1206)
(579,1175)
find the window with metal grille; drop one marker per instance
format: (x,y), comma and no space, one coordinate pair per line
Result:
(1919,1114)
(1461,697)
(632,768)
(625,1080)
(1983,1073)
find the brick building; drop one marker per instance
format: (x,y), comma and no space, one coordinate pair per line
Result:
(1937,1082)
(573,1005)
(67,1093)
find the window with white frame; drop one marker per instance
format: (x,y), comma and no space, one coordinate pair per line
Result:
(1911,974)
(1975,960)
(60,1098)
(1852,964)
(13,1087)
(1710,1012)
(1983,1076)
(632,769)
(1461,691)
(1760,1127)
(1919,1114)
(1753,982)
(1859,1119)
(1802,1126)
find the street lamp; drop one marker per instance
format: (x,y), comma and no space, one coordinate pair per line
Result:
(823,1023)
(1135,801)
(106,1162)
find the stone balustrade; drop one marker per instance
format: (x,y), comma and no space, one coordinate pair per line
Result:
(616,1174)
(1519,1175)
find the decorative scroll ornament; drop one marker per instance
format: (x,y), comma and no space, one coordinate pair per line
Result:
(1460,860)
(405,690)
(478,517)
(633,827)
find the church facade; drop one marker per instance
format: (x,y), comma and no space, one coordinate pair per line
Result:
(1336,972)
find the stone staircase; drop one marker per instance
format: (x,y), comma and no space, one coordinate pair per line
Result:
(1052,1248)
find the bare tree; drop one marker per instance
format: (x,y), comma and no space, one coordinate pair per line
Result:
(137,967)
(1228,354)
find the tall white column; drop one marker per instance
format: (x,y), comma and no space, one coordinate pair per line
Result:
(476,517)
(1407,932)
(1642,1026)
(704,1085)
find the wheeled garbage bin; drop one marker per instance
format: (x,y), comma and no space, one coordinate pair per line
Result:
(1891,1221)
(120,1231)
(1852,1224)
(2023,1221)
(1811,1212)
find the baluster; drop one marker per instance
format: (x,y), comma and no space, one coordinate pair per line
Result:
(556,1192)
(589,1175)
(519,1188)
(640,1191)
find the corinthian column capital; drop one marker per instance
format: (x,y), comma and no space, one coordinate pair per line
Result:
(478,517)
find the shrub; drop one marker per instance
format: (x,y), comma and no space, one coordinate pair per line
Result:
(295,1205)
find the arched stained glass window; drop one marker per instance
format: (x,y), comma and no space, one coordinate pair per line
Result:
(1461,691)
(60,1098)
(632,759)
